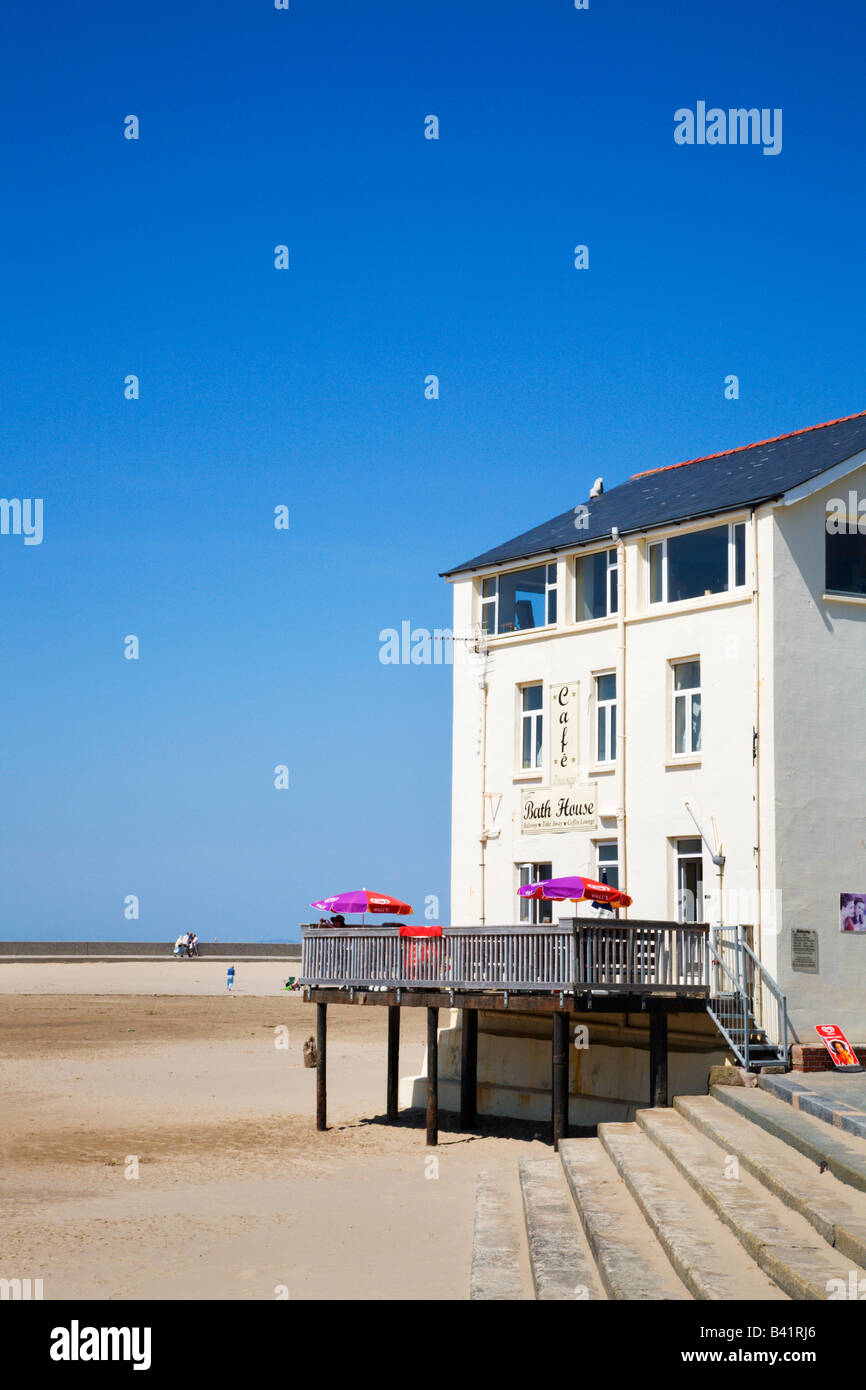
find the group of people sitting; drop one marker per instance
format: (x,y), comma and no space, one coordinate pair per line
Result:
(337,921)
(186,945)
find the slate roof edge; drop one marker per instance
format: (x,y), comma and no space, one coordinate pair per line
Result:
(473,568)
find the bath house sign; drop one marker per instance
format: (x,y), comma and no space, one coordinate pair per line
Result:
(550,810)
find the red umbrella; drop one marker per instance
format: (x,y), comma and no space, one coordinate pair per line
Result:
(363,901)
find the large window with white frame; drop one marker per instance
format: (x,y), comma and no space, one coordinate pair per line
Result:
(686,713)
(519,600)
(697,563)
(534,911)
(531,726)
(605,718)
(596,592)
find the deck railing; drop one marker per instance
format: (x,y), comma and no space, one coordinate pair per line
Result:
(574,955)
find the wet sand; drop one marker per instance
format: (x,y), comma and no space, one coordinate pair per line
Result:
(205,1096)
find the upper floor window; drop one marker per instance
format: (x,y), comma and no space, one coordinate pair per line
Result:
(845,561)
(687,707)
(605,717)
(532,726)
(596,593)
(519,600)
(697,563)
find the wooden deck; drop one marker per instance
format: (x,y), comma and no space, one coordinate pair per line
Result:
(616,967)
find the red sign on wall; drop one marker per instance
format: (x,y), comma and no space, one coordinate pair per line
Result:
(837,1045)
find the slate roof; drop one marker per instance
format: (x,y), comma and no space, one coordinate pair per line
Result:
(747,475)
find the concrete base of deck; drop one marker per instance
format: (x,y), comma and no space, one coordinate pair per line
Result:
(608,1078)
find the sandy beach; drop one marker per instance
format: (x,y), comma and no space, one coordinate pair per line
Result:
(153,1067)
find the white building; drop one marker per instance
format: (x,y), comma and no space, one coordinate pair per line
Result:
(688,648)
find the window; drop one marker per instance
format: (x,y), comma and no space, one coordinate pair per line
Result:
(690,880)
(596,594)
(519,600)
(687,707)
(607,862)
(845,562)
(697,563)
(532,726)
(533,911)
(605,718)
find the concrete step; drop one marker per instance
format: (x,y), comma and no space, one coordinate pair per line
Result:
(837,1213)
(813,1099)
(630,1262)
(778,1239)
(705,1254)
(843,1154)
(559,1255)
(497,1243)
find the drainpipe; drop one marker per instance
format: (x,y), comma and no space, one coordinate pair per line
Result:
(620,716)
(756,737)
(483,835)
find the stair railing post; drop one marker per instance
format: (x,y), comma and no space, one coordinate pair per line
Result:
(747,1024)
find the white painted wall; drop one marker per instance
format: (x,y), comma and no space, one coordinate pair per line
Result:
(819,772)
(719,784)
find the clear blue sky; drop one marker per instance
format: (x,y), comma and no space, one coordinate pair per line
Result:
(306,387)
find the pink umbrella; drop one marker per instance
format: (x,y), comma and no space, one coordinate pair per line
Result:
(363,901)
(576,890)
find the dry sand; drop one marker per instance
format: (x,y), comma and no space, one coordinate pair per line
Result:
(237,1193)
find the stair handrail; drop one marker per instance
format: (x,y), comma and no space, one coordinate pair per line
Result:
(734,939)
(742,1053)
(777,993)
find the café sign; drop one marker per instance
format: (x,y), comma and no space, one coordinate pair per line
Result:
(552,810)
(564,722)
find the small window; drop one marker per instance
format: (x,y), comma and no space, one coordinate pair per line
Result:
(534,911)
(519,600)
(689,880)
(607,862)
(687,708)
(845,562)
(697,563)
(605,717)
(739,554)
(532,726)
(656,569)
(597,590)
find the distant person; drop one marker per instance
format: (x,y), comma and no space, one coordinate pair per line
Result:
(338,921)
(192,944)
(181,946)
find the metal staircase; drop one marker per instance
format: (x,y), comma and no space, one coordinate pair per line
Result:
(745,1003)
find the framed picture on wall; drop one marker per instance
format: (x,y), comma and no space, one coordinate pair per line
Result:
(852,911)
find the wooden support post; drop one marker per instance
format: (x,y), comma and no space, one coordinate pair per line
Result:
(469,1069)
(432,1076)
(321,1066)
(658,1057)
(559,1086)
(393,1058)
